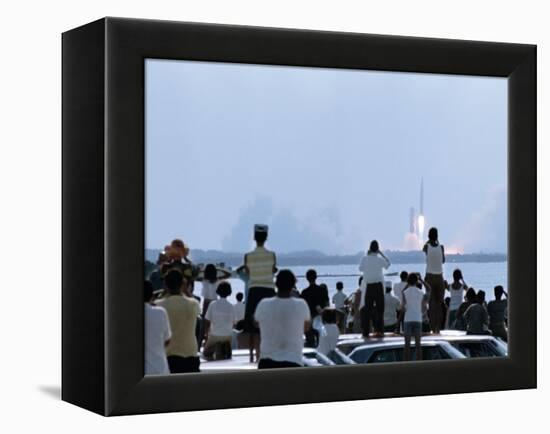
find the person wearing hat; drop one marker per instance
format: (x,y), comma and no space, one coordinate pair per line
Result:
(260,265)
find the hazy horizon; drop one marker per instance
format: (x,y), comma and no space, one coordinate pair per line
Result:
(328,158)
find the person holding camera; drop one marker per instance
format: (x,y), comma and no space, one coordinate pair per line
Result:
(372,266)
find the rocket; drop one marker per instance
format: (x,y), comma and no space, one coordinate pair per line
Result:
(422,196)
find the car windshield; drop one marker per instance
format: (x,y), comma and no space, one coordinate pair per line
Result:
(367,355)
(480,349)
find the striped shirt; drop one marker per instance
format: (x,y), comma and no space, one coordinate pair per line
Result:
(260,263)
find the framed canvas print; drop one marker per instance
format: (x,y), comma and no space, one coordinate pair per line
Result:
(257,216)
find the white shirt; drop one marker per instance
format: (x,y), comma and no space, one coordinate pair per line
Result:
(209,290)
(391,306)
(281,323)
(338,299)
(413,300)
(157,332)
(373,266)
(328,339)
(457,297)
(398,290)
(434,259)
(221,315)
(238,307)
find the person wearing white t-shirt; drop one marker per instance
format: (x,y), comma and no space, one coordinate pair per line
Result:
(413,301)
(328,337)
(400,286)
(391,309)
(210,280)
(220,319)
(282,320)
(457,290)
(157,335)
(372,266)
(339,301)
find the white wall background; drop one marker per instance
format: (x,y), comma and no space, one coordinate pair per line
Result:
(30,228)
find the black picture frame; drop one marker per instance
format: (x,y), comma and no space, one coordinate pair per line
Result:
(103,215)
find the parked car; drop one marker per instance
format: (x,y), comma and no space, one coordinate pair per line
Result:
(383,352)
(472,346)
(339,358)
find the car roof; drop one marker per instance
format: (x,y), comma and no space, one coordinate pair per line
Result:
(397,344)
(240,361)
(446,335)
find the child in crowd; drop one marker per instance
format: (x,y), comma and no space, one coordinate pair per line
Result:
(328,336)
(209,285)
(219,321)
(239,308)
(339,301)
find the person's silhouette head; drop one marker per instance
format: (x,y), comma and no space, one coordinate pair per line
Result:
(224,289)
(433,236)
(174,282)
(148,291)
(374,247)
(412,279)
(480,296)
(471,295)
(328,316)
(403,276)
(260,234)
(210,273)
(311,276)
(239,297)
(339,286)
(284,282)
(457,275)
(499,292)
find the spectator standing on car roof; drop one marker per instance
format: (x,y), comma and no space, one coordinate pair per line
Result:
(372,266)
(413,301)
(435,258)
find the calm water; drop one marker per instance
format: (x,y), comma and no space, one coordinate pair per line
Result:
(478,275)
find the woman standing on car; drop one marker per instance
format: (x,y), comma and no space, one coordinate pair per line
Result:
(435,258)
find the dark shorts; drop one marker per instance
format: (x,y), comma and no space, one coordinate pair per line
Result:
(412,328)
(271,364)
(180,365)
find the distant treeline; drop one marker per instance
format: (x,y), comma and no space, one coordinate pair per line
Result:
(314,257)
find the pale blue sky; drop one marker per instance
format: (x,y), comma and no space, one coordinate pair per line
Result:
(329,158)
